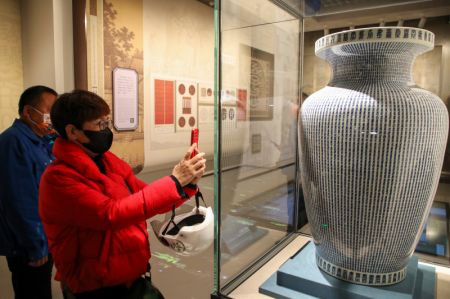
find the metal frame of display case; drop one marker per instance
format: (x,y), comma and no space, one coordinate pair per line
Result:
(217,143)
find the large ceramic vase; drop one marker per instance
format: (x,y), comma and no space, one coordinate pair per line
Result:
(371,146)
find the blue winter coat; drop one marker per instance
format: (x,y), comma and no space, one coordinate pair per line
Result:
(23,158)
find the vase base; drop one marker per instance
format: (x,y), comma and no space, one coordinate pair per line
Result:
(300,277)
(364,278)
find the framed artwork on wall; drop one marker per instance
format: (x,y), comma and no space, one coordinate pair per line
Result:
(241,104)
(186,105)
(229,107)
(261,83)
(206,93)
(163,91)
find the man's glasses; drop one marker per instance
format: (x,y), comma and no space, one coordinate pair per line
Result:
(103,124)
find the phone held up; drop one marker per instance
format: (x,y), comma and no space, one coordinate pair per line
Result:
(194,139)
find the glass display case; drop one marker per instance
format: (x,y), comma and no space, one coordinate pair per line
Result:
(267,49)
(430,71)
(259,73)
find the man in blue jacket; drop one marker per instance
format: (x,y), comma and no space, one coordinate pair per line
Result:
(25,151)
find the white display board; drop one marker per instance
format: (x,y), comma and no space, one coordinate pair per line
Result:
(206,93)
(125,99)
(186,105)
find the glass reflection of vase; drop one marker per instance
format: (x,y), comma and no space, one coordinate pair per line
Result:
(372,147)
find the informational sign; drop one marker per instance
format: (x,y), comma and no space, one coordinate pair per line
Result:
(125,99)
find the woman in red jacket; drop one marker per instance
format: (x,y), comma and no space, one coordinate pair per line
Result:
(94,208)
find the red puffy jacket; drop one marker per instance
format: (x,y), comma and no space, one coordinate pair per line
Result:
(96,228)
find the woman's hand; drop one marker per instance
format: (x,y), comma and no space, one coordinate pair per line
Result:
(190,170)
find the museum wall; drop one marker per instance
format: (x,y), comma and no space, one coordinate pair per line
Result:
(38,39)
(115,40)
(47,44)
(63,46)
(171,43)
(11,74)
(179,51)
(161,40)
(36,49)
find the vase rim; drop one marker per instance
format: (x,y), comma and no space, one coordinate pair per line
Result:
(377,34)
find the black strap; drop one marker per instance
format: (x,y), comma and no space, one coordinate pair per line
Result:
(171,221)
(199,196)
(179,187)
(148,273)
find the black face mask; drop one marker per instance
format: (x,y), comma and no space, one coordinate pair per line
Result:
(100,141)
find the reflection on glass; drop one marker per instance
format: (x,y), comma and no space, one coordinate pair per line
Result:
(434,238)
(259,96)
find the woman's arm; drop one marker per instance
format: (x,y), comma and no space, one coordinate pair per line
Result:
(67,198)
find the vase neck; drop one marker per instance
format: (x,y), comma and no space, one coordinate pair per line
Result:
(374,54)
(372,67)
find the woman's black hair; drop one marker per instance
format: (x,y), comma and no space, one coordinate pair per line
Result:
(76,108)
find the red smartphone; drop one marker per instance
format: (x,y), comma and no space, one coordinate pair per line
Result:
(194,139)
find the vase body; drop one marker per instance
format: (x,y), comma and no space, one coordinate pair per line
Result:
(371,149)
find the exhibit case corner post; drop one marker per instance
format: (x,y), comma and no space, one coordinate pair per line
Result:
(217,167)
(257,83)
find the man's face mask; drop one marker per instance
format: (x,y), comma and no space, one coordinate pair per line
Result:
(99,141)
(45,125)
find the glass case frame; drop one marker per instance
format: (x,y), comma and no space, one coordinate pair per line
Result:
(283,25)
